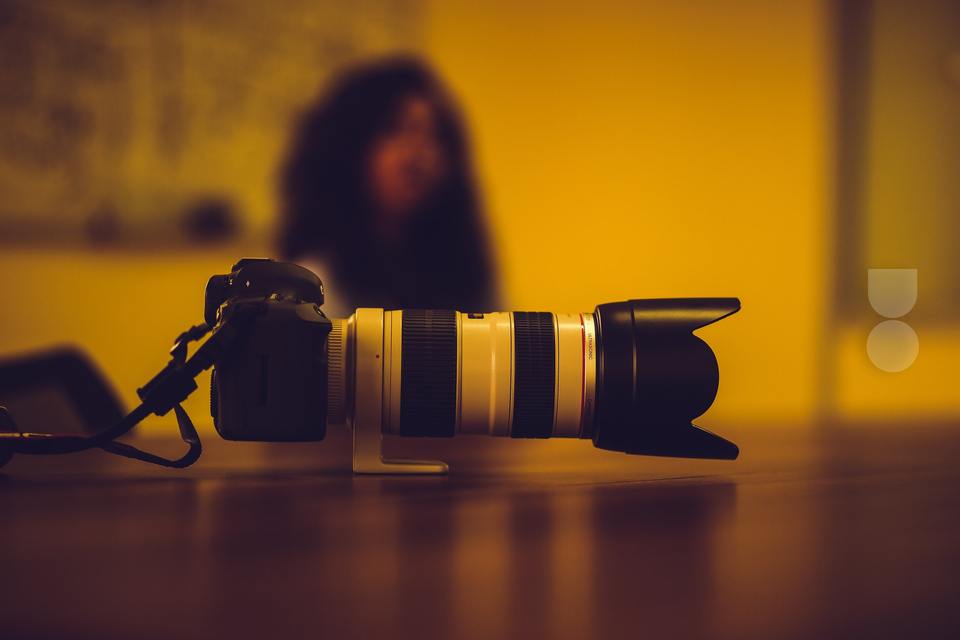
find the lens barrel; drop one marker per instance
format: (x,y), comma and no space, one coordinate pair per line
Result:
(631,376)
(517,374)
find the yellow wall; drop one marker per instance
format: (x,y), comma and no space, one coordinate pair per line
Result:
(626,149)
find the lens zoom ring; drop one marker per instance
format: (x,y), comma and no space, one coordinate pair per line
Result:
(534,374)
(428,373)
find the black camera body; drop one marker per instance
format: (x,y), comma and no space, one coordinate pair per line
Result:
(270,385)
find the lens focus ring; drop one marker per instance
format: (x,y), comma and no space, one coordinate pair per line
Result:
(534,374)
(428,373)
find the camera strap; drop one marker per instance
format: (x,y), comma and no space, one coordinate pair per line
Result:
(187,432)
(165,391)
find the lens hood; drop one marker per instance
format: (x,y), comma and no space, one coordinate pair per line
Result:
(654,377)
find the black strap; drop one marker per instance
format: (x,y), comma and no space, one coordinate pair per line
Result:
(164,392)
(187,432)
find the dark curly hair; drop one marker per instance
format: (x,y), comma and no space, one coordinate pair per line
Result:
(443,261)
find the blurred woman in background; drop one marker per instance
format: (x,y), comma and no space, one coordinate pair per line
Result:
(379,197)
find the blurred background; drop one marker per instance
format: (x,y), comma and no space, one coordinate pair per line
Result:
(773,151)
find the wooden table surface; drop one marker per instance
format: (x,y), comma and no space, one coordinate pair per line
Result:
(829,531)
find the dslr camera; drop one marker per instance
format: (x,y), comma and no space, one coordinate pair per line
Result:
(629,376)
